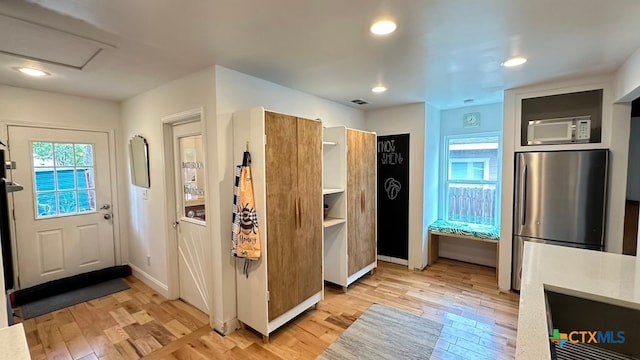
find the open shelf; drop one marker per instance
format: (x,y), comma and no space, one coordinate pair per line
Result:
(329,222)
(329,143)
(331,191)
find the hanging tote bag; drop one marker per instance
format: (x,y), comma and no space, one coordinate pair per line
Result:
(246,233)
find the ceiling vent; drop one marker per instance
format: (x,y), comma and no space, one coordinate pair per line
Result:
(359,102)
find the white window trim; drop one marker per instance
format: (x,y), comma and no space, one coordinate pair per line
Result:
(444,178)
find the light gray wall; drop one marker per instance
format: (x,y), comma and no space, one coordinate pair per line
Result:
(451,124)
(490,120)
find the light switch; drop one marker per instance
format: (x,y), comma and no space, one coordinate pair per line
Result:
(145,196)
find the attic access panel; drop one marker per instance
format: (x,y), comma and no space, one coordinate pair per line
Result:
(41,43)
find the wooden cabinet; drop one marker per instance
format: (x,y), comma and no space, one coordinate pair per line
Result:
(350,166)
(286,154)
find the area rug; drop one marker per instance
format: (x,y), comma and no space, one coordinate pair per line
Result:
(383,332)
(57,302)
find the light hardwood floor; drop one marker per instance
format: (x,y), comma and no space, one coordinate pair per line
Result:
(479,322)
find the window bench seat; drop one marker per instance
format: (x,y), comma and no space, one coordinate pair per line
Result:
(481,233)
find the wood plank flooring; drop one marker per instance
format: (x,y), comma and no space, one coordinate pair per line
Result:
(479,321)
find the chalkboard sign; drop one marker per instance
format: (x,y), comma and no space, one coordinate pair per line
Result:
(393,196)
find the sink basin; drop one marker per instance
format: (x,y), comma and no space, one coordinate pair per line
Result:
(595,327)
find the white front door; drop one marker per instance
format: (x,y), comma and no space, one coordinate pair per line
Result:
(63,217)
(191,215)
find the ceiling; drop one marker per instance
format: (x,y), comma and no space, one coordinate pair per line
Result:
(443,52)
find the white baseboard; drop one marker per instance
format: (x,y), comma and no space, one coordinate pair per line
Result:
(152,282)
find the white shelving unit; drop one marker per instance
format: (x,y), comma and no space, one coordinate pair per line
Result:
(336,241)
(334,183)
(329,191)
(329,222)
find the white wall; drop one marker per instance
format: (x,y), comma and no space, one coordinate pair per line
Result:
(627,79)
(402,120)
(41,108)
(432,149)
(150,228)
(236,91)
(451,124)
(633,174)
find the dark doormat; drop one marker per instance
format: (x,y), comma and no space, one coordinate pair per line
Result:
(59,286)
(57,302)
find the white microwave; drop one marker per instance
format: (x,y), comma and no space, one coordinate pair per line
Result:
(559,131)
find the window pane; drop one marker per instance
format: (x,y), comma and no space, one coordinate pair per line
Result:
(85,179)
(477,172)
(67,202)
(192,167)
(65,179)
(472,203)
(64,154)
(44,179)
(481,154)
(46,204)
(84,154)
(86,200)
(42,154)
(458,171)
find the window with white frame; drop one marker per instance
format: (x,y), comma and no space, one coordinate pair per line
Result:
(471,170)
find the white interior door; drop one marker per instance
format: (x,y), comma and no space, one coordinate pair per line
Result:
(191,215)
(63,216)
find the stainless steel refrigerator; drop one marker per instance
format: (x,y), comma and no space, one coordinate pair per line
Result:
(560,199)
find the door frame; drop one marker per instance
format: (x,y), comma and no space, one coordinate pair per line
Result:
(119,249)
(168,160)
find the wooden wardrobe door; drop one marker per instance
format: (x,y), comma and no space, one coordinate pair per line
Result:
(281,181)
(368,246)
(309,235)
(354,198)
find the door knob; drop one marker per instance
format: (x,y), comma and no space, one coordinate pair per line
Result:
(105,207)
(175,224)
(107,216)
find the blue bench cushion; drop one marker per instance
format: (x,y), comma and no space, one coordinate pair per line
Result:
(479,231)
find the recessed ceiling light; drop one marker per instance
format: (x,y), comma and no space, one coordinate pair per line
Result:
(379,89)
(383,27)
(32,72)
(515,61)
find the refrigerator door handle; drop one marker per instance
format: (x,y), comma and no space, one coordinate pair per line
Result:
(523,196)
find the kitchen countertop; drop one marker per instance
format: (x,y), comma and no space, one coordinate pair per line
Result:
(600,276)
(13,343)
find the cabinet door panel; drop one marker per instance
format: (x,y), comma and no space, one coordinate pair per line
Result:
(309,240)
(281,182)
(368,246)
(354,197)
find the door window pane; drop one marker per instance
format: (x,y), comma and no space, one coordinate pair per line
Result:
(67,202)
(45,180)
(84,154)
(46,204)
(64,154)
(86,200)
(192,174)
(65,178)
(64,182)
(84,178)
